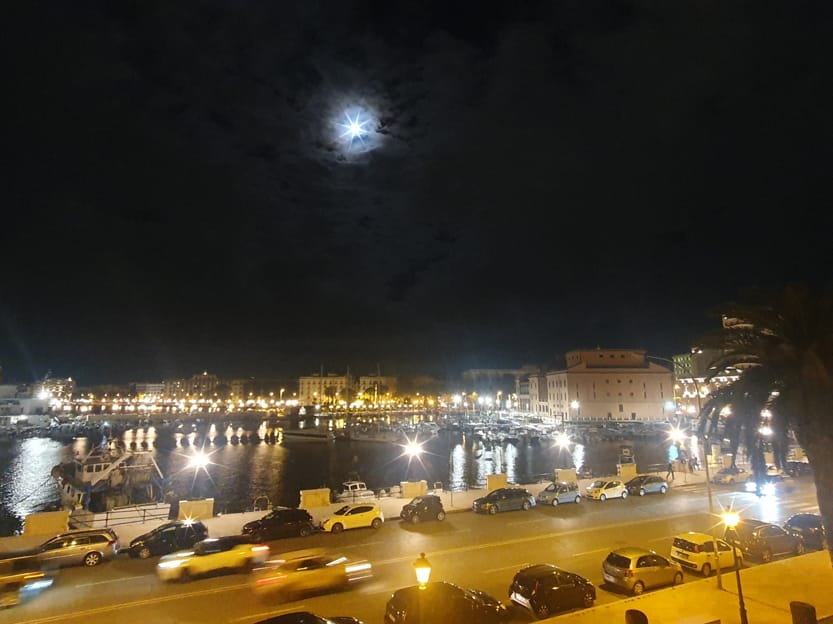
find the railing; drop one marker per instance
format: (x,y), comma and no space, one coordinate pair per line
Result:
(153,512)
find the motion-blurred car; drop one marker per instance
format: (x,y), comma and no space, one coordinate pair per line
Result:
(544,589)
(88,547)
(233,552)
(809,528)
(695,551)
(730,476)
(167,538)
(557,493)
(763,541)
(308,571)
(354,516)
(504,499)
(798,468)
(305,617)
(602,489)
(19,575)
(765,485)
(637,569)
(641,485)
(280,522)
(428,507)
(443,603)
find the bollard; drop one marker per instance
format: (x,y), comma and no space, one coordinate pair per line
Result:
(803,613)
(635,616)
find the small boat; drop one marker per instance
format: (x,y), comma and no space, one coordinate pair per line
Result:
(353,491)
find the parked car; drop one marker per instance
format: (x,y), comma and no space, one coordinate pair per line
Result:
(354,517)
(809,528)
(20,573)
(305,571)
(637,569)
(695,551)
(557,493)
(280,522)
(504,499)
(305,617)
(428,507)
(88,547)
(544,589)
(641,485)
(730,476)
(443,603)
(798,468)
(167,538)
(602,489)
(233,552)
(763,541)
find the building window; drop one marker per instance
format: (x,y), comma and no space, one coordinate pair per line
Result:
(621,408)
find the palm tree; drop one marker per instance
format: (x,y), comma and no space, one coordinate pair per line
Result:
(783,346)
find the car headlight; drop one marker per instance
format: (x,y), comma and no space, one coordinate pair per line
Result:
(174,563)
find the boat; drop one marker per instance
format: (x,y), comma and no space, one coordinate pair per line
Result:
(109,476)
(376,433)
(308,435)
(354,491)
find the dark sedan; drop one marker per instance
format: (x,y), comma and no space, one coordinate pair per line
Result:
(544,589)
(809,528)
(280,522)
(305,617)
(641,485)
(443,603)
(763,541)
(167,538)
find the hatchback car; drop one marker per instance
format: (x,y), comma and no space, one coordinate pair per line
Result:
(695,551)
(730,476)
(556,493)
(354,517)
(305,617)
(421,508)
(809,528)
(309,571)
(641,485)
(637,569)
(443,603)
(234,552)
(603,489)
(544,589)
(763,541)
(167,538)
(280,522)
(88,547)
(504,499)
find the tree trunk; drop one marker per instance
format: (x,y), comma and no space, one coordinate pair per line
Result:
(819,451)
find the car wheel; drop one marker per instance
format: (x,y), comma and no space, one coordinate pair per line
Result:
(440,516)
(525,505)
(638,588)
(185,575)
(589,599)
(642,491)
(624,494)
(542,611)
(766,555)
(578,498)
(377,522)
(144,552)
(602,498)
(663,489)
(92,559)
(706,570)
(337,527)
(493,509)
(415,519)
(555,502)
(799,548)
(304,531)
(678,578)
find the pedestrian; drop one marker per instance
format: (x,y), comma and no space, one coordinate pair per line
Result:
(669,476)
(691,464)
(696,463)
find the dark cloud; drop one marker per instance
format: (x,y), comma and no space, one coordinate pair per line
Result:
(538,177)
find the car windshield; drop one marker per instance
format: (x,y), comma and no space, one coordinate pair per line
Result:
(598,484)
(343,510)
(550,488)
(416,501)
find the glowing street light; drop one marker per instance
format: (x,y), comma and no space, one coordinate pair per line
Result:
(422,568)
(199,460)
(413,449)
(731,519)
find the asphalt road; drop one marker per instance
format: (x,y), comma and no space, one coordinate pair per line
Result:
(471,550)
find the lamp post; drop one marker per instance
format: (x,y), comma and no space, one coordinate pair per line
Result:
(422,569)
(730,519)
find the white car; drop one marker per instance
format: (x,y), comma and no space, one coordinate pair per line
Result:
(602,489)
(730,476)
(235,552)
(695,551)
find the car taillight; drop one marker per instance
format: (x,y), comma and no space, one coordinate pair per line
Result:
(696,548)
(629,573)
(112,542)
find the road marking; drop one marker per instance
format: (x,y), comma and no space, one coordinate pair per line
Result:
(362,545)
(517,566)
(591,552)
(117,580)
(522,522)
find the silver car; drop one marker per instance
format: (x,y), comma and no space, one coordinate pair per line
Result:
(88,547)
(556,493)
(637,569)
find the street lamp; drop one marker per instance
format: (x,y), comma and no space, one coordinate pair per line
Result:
(422,568)
(731,519)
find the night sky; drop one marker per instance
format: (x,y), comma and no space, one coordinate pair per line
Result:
(181,193)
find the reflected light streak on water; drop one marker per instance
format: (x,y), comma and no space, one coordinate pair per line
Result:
(27,481)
